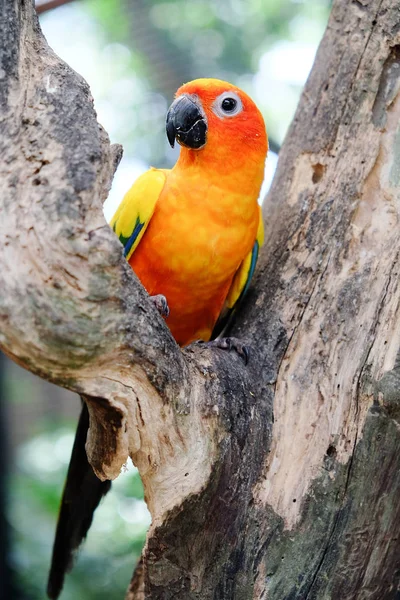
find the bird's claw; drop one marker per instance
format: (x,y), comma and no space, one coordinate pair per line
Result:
(161,304)
(230,343)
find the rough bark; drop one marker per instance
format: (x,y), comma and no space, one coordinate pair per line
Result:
(302,505)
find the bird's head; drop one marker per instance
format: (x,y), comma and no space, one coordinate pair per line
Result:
(213,115)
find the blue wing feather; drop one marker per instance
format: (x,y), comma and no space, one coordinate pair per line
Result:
(254,258)
(129,242)
(231,305)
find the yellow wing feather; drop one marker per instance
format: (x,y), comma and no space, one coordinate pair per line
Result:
(243,275)
(136,209)
(241,281)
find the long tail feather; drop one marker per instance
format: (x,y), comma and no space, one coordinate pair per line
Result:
(82,494)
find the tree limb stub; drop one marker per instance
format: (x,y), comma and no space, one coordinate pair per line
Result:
(307,508)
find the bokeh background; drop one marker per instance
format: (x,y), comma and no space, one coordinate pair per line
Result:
(134,54)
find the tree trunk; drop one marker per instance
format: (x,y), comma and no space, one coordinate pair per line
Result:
(278,480)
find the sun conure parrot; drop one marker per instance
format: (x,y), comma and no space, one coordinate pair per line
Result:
(192,236)
(192,233)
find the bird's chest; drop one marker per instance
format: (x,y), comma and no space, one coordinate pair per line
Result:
(199,239)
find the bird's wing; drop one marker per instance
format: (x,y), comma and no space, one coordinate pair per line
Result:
(82,494)
(136,209)
(241,281)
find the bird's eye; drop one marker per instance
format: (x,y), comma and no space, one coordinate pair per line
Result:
(228,104)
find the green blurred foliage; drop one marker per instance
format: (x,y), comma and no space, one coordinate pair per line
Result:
(105,564)
(45,417)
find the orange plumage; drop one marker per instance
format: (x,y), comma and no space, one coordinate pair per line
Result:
(205,218)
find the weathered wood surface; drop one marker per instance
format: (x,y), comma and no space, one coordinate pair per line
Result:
(300,502)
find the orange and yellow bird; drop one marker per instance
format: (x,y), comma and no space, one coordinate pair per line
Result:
(192,235)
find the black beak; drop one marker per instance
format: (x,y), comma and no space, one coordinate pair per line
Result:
(186,123)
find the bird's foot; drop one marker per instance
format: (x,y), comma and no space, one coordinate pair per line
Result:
(161,304)
(230,343)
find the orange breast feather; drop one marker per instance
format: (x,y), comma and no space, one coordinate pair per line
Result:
(197,238)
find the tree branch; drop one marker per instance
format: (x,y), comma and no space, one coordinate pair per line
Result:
(43,6)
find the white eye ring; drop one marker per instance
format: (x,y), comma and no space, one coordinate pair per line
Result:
(231,109)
